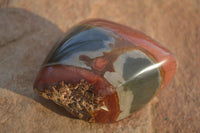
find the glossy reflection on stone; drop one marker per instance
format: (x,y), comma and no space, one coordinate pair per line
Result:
(103,72)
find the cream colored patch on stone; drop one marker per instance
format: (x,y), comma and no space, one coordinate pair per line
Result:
(126,98)
(104,107)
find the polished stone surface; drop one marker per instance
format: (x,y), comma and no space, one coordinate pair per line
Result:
(132,65)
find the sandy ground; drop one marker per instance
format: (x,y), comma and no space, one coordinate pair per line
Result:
(28,30)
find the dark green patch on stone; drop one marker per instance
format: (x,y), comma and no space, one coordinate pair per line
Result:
(143,86)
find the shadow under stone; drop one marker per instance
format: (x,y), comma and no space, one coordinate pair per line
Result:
(25,40)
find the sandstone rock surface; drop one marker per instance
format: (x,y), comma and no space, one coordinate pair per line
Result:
(28,30)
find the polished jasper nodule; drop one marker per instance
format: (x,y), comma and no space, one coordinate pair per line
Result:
(103,72)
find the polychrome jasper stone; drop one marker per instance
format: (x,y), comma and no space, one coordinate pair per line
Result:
(102,71)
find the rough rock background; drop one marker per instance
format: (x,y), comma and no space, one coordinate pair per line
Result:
(28,29)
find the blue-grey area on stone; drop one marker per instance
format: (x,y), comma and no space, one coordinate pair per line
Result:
(82,40)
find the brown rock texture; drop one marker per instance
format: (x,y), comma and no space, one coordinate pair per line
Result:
(28,30)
